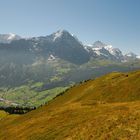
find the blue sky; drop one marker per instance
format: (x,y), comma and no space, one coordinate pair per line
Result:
(116,22)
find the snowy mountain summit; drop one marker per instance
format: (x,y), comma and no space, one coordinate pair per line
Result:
(131,56)
(60,34)
(7,38)
(105,51)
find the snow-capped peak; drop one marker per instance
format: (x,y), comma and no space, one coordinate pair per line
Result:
(7,38)
(131,56)
(113,51)
(102,49)
(58,34)
(61,33)
(11,36)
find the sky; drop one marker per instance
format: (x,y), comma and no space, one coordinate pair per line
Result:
(115,22)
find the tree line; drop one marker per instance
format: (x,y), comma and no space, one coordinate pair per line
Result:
(17,109)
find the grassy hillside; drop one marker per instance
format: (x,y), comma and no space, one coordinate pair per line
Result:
(107,108)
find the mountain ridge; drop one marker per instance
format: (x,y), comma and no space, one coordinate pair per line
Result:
(97,49)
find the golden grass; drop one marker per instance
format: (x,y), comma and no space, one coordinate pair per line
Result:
(107,108)
(3,114)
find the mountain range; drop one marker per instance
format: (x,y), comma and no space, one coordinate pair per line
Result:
(64,45)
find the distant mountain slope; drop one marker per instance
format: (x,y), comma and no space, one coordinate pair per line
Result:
(104,108)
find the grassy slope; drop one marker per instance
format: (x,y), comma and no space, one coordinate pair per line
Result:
(3,114)
(105,108)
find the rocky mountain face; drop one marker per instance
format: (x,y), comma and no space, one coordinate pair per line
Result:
(62,45)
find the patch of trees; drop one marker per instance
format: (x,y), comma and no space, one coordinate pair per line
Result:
(17,110)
